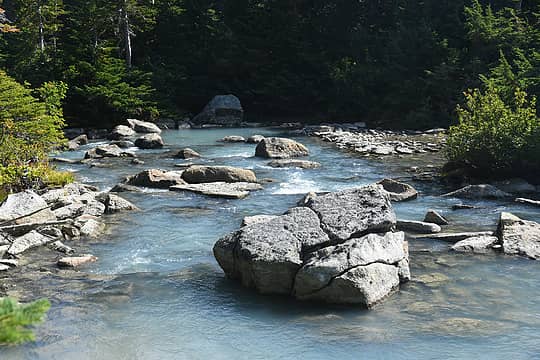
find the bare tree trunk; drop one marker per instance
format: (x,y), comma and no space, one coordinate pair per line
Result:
(41,30)
(126,30)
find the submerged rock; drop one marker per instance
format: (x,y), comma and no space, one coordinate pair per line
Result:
(519,237)
(280,148)
(303,164)
(237,190)
(76,261)
(224,110)
(155,178)
(144,127)
(104,151)
(198,174)
(338,249)
(398,191)
(149,141)
(455,237)
(483,191)
(233,139)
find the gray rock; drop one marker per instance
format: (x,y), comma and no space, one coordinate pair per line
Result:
(303,164)
(123,144)
(90,227)
(354,212)
(484,191)
(208,174)
(75,143)
(255,219)
(223,110)
(114,203)
(254,139)
(76,261)
(233,139)
(137,162)
(144,127)
(398,191)
(124,188)
(418,227)
(477,244)
(121,132)
(85,204)
(382,150)
(280,148)
(237,190)
(187,153)
(25,207)
(432,216)
(104,151)
(60,247)
(519,237)
(324,266)
(155,178)
(455,237)
(30,240)
(270,263)
(149,141)
(527,201)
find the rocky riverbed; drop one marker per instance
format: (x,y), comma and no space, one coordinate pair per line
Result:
(155,267)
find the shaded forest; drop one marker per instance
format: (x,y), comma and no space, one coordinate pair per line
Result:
(394,63)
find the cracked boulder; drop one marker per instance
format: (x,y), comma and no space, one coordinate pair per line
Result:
(519,237)
(339,248)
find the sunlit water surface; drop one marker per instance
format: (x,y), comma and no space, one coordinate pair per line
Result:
(159,294)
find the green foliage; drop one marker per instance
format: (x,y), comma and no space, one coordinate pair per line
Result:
(16,318)
(30,129)
(493,136)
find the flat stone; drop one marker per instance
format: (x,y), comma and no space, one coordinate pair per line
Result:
(483,191)
(76,261)
(255,219)
(238,190)
(211,174)
(455,237)
(477,245)
(527,201)
(233,139)
(418,227)
(303,164)
(31,240)
(353,212)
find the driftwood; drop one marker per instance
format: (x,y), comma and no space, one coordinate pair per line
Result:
(22,229)
(23,216)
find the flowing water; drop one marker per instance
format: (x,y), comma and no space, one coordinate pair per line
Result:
(157,292)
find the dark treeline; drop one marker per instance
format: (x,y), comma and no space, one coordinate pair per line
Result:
(399,63)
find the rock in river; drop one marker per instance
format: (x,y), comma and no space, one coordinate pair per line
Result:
(236,190)
(76,261)
(106,151)
(303,164)
(477,244)
(149,141)
(155,178)
(121,132)
(144,127)
(339,249)
(280,148)
(187,153)
(233,139)
(198,174)
(398,191)
(254,139)
(25,207)
(418,227)
(519,237)
(28,241)
(434,217)
(484,191)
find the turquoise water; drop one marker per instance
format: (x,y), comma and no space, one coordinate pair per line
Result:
(157,293)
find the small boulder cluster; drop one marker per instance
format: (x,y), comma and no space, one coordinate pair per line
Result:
(29,220)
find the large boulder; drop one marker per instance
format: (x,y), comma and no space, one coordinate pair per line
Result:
(114,203)
(519,237)
(484,191)
(254,139)
(149,141)
(354,212)
(74,206)
(144,127)
(155,178)
(224,110)
(198,174)
(28,241)
(359,271)
(25,207)
(75,143)
(398,191)
(121,132)
(267,255)
(476,244)
(280,148)
(340,248)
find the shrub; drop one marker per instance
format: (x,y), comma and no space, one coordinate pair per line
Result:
(15,319)
(494,137)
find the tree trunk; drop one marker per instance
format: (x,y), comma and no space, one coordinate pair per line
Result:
(41,31)
(126,33)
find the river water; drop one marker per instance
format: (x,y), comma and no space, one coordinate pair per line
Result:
(157,292)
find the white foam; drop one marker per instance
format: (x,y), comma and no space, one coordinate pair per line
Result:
(297,185)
